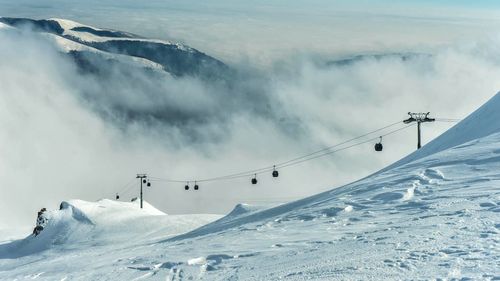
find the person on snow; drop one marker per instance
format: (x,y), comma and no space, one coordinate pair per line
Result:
(41,221)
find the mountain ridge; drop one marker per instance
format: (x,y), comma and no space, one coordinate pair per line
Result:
(175,58)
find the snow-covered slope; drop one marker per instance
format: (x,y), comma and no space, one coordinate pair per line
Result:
(433,217)
(69,46)
(4,26)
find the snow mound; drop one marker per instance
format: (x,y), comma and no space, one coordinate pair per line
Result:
(110,211)
(241,209)
(105,222)
(241,213)
(66,225)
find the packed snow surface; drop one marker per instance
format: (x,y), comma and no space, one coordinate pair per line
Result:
(434,216)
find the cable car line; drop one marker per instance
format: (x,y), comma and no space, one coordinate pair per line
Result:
(339,144)
(260,170)
(450,120)
(266,169)
(347,147)
(295,161)
(292,162)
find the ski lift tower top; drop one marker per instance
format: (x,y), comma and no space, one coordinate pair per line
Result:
(419,118)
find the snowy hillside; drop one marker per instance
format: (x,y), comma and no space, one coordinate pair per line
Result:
(82,41)
(433,216)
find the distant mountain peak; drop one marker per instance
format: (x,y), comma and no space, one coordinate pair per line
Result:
(174,58)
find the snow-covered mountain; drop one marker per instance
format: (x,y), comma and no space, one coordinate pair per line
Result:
(432,216)
(86,44)
(359,58)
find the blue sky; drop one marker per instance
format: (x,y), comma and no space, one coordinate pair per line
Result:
(463,3)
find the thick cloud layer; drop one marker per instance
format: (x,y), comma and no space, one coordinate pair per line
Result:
(67,133)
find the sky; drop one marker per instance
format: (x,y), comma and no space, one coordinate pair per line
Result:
(264,31)
(55,145)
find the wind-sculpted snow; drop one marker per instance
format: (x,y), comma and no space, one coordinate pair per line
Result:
(63,226)
(79,222)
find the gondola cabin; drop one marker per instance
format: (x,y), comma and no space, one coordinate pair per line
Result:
(254,180)
(275,173)
(379,146)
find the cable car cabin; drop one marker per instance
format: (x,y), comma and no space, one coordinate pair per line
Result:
(186,187)
(379,147)
(149,184)
(254,181)
(196,187)
(275,173)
